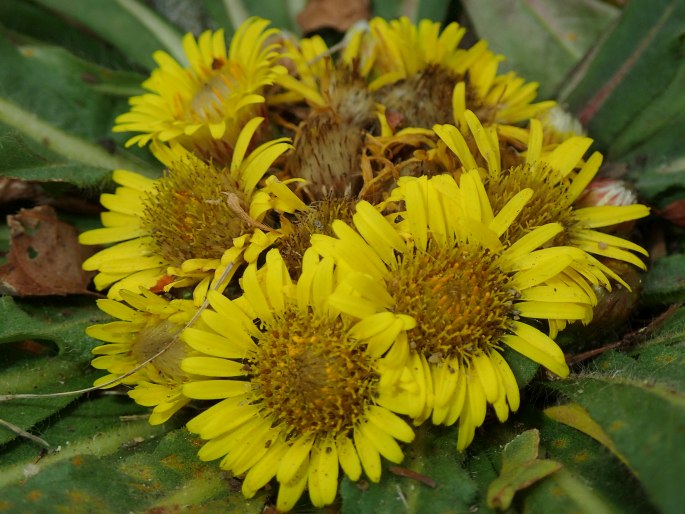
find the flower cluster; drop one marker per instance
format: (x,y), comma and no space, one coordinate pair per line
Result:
(342,244)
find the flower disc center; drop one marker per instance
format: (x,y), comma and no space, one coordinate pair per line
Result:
(460,299)
(188,215)
(155,337)
(549,203)
(309,376)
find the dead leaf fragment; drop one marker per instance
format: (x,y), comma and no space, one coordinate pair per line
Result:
(322,14)
(45,256)
(12,190)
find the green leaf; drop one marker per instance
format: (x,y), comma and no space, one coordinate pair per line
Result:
(576,417)
(672,330)
(635,75)
(646,422)
(38,24)
(282,13)
(558,34)
(63,324)
(127,24)
(521,468)
(430,479)
(98,78)
(47,131)
(592,480)
(62,321)
(106,457)
(658,165)
(523,368)
(665,282)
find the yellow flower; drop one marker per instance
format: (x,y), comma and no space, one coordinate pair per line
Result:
(442,262)
(558,175)
(423,76)
(186,227)
(297,387)
(144,327)
(204,105)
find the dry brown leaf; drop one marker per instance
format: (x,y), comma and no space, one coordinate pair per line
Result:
(12,190)
(45,256)
(323,14)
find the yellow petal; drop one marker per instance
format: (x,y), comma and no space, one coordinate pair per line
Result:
(349,460)
(297,454)
(215,389)
(368,455)
(537,347)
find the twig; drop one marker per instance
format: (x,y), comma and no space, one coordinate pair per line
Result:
(630,339)
(23,433)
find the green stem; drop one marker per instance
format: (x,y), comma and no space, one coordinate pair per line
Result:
(236,11)
(168,36)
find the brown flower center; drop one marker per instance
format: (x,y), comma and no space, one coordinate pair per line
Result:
(549,203)
(316,220)
(460,299)
(188,215)
(310,376)
(155,337)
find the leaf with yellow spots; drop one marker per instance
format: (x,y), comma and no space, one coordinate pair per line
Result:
(575,416)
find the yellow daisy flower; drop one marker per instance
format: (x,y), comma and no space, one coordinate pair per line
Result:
(422,63)
(186,227)
(442,262)
(146,324)
(558,175)
(297,387)
(203,105)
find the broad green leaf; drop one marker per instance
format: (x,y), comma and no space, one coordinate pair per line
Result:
(576,417)
(62,323)
(216,10)
(665,282)
(671,330)
(38,24)
(568,493)
(430,479)
(646,421)
(592,480)
(129,25)
(521,468)
(47,131)
(50,374)
(26,159)
(97,78)
(61,320)
(658,165)
(557,34)
(634,75)
(107,457)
